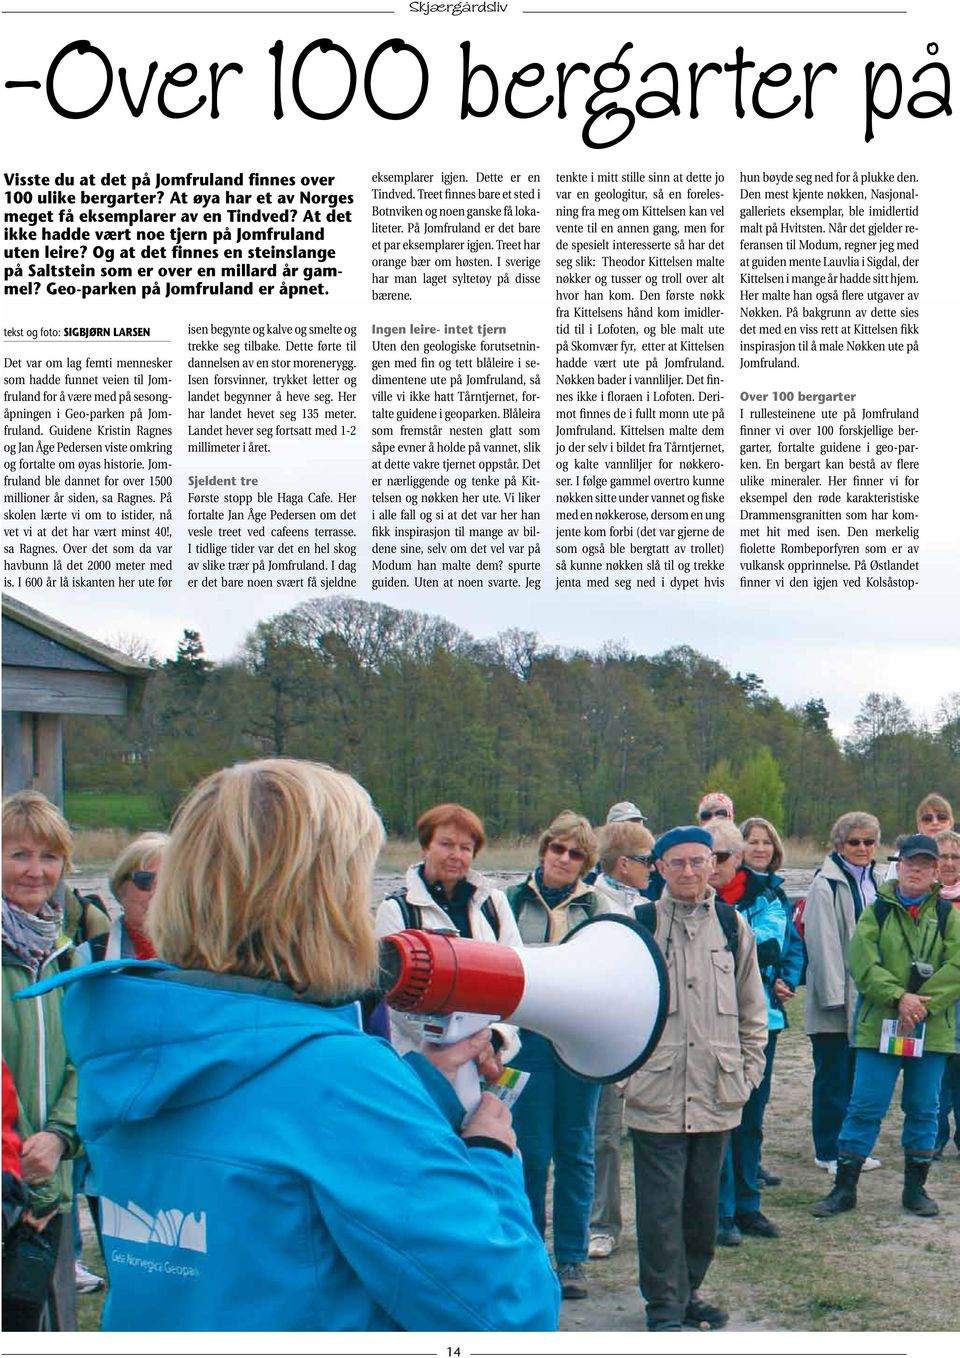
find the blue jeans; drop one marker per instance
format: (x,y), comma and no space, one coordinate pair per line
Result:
(873,1088)
(554,1120)
(949,1103)
(739,1191)
(833,1064)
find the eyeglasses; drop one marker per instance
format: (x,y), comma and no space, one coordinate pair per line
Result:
(644,858)
(950,857)
(934,815)
(678,864)
(562,851)
(864,843)
(143,881)
(721,814)
(722,857)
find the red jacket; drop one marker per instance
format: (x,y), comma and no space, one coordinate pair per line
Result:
(12,1144)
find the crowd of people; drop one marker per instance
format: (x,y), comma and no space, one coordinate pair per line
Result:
(249,1108)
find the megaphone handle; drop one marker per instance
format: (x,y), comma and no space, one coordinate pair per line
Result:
(453,1028)
(467,1085)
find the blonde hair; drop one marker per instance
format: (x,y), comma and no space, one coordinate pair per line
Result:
(138,853)
(31,813)
(622,839)
(268,874)
(776,858)
(568,824)
(934,802)
(726,837)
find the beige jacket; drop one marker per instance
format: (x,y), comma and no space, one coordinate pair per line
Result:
(711,1053)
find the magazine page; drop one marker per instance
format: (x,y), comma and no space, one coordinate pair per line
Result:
(516,406)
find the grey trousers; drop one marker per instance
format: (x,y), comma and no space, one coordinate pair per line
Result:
(677,1178)
(606,1217)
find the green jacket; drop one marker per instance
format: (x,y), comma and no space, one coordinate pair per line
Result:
(35,1050)
(880,958)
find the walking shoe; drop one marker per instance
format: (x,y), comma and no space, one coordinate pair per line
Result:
(843,1195)
(829,1165)
(755,1223)
(573,1282)
(601,1247)
(729,1235)
(915,1197)
(871,1162)
(702,1316)
(767,1180)
(85,1280)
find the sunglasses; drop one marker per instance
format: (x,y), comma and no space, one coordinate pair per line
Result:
(933,815)
(720,814)
(643,858)
(143,881)
(864,843)
(722,857)
(562,851)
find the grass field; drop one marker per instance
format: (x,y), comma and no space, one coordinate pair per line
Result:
(134,811)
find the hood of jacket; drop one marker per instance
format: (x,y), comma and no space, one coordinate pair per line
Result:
(152,1038)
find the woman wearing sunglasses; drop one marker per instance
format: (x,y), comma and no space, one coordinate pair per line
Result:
(844,884)
(934,815)
(133,880)
(714,806)
(555,1115)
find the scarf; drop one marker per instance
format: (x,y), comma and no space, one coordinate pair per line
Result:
(912,905)
(950,893)
(32,937)
(142,946)
(556,900)
(735,889)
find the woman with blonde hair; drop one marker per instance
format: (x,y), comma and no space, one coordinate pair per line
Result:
(37,844)
(555,1115)
(241,1125)
(133,880)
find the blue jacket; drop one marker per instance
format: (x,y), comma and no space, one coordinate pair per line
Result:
(761,907)
(265,1165)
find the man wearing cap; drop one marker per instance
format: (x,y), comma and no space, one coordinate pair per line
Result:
(682,1104)
(621,813)
(625,811)
(904,958)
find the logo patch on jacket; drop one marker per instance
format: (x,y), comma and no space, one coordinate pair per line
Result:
(169,1227)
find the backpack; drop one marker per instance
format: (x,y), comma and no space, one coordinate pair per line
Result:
(882,908)
(412,915)
(646,915)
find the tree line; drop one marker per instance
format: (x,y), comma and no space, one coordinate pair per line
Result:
(420,712)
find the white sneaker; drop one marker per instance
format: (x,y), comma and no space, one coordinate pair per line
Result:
(871,1163)
(829,1165)
(601,1247)
(85,1280)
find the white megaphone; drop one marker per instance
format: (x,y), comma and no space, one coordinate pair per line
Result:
(600,997)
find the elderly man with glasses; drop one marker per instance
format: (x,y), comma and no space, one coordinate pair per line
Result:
(682,1104)
(843,886)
